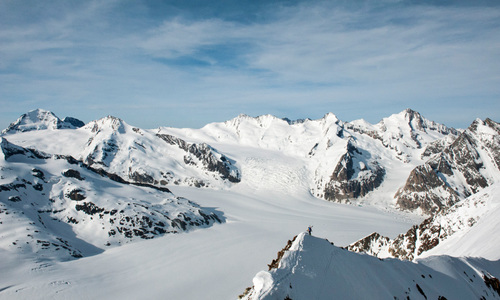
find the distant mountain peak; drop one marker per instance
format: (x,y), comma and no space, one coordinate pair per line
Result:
(40,119)
(107,123)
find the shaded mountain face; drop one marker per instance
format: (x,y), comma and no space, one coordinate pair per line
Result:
(312,268)
(40,119)
(460,169)
(67,209)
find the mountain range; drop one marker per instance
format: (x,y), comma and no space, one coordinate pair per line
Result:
(70,190)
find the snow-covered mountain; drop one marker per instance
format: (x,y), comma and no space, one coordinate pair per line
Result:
(345,160)
(80,191)
(140,156)
(40,119)
(464,167)
(55,207)
(312,268)
(448,227)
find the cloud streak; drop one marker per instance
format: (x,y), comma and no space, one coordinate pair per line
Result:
(299,61)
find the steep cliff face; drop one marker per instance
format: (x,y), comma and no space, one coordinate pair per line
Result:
(461,169)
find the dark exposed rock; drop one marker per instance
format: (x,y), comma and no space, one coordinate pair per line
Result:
(492,283)
(10,150)
(12,186)
(15,199)
(76,195)
(342,184)
(205,154)
(456,172)
(426,190)
(73,121)
(275,263)
(38,173)
(89,208)
(38,187)
(369,244)
(141,178)
(70,173)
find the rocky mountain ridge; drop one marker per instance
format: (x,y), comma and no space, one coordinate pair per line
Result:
(460,169)
(456,220)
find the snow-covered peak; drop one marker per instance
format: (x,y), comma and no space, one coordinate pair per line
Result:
(40,119)
(108,123)
(413,121)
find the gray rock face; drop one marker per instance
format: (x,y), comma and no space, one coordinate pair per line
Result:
(461,169)
(425,190)
(207,155)
(429,233)
(354,176)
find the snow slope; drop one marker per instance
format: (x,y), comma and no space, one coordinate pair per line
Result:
(53,208)
(312,268)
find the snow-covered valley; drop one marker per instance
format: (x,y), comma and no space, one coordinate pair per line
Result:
(246,186)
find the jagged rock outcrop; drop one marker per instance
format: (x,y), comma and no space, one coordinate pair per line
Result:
(466,166)
(211,159)
(426,190)
(430,232)
(354,176)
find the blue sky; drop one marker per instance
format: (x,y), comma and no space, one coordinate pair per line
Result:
(189,63)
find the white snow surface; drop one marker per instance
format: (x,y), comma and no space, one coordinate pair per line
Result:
(281,164)
(312,268)
(475,225)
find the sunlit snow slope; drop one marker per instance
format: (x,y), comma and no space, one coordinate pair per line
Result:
(312,268)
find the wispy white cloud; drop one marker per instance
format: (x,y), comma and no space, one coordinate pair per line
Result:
(299,59)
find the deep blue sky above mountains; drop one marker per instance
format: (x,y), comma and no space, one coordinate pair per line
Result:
(188,63)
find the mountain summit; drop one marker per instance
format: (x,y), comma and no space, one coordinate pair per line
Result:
(40,119)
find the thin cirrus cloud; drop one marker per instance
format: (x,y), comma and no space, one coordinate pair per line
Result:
(183,68)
